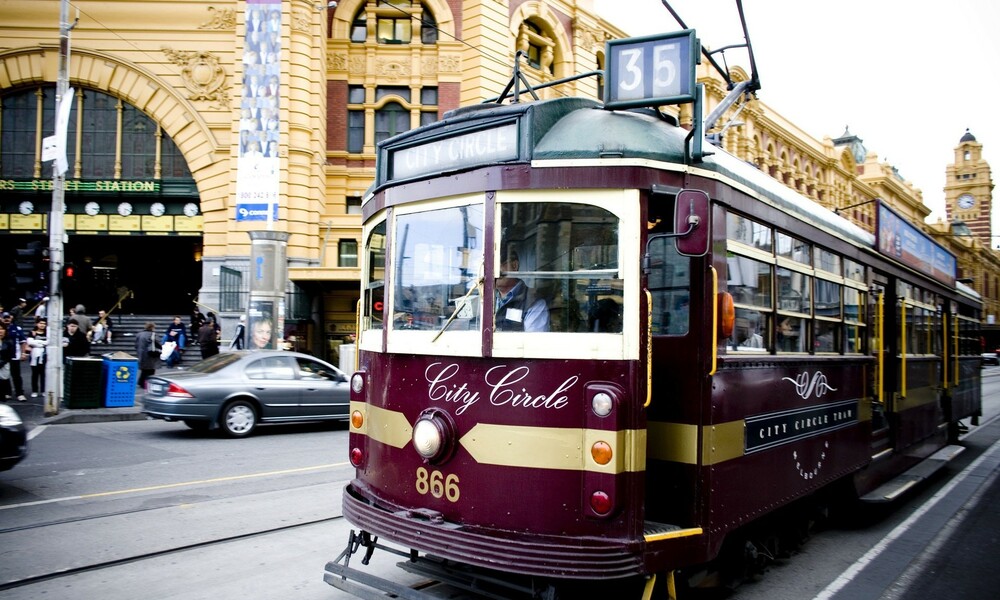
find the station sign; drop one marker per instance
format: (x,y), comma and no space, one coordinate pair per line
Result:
(652,70)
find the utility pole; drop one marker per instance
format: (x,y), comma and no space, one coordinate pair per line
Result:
(57,233)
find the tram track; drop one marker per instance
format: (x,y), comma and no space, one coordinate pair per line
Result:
(69,572)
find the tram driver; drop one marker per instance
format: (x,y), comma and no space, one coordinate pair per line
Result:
(516,309)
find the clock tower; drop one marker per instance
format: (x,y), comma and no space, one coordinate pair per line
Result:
(968,189)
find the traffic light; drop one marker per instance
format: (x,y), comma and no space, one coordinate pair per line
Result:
(69,271)
(31,266)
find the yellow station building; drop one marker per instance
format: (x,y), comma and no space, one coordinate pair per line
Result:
(191,120)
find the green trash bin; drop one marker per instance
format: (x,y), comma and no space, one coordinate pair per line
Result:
(82,382)
(120,372)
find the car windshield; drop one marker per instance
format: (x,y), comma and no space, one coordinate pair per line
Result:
(216,363)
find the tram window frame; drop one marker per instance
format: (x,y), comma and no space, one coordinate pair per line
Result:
(561,278)
(793,249)
(374,290)
(799,271)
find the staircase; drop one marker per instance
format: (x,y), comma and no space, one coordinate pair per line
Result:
(125,327)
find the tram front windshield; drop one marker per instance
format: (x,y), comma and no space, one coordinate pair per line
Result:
(555,270)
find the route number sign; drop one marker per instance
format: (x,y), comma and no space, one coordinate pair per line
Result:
(652,70)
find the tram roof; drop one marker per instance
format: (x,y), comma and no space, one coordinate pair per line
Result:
(598,133)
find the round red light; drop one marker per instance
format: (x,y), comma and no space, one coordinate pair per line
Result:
(356,457)
(600,502)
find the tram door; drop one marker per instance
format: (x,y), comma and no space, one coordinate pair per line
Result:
(883,375)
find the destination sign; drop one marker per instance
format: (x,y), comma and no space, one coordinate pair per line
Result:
(652,70)
(482,146)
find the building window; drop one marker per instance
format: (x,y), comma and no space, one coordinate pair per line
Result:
(390,120)
(359,28)
(107,122)
(428,28)
(394,21)
(347,253)
(355,131)
(539,48)
(394,117)
(354,205)
(392,90)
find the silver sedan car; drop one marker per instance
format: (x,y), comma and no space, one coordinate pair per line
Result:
(235,391)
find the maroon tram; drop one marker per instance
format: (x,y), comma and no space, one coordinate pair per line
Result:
(587,353)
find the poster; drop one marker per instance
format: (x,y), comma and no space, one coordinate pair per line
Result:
(260,325)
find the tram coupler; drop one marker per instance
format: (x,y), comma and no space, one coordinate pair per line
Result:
(340,575)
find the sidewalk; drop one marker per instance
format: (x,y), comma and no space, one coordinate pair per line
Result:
(32,413)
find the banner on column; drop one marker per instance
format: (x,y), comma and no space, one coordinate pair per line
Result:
(258,166)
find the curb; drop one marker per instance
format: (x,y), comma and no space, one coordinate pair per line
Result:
(96,415)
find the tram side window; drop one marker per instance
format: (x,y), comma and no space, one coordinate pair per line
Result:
(855,306)
(558,269)
(437,261)
(749,283)
(827,308)
(375,284)
(670,286)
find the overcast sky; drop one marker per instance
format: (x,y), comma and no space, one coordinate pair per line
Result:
(907,77)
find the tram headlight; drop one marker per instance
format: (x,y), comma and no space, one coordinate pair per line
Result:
(602,404)
(433,435)
(427,438)
(357,383)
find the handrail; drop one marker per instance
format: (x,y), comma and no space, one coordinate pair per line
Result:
(944,363)
(649,349)
(715,320)
(880,349)
(955,370)
(902,348)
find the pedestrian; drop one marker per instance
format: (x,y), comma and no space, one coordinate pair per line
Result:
(239,338)
(38,341)
(175,335)
(208,339)
(197,320)
(101,333)
(17,313)
(80,314)
(6,358)
(20,341)
(75,344)
(147,348)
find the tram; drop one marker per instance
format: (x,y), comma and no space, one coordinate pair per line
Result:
(591,351)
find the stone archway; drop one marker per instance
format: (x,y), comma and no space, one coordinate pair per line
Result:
(141,88)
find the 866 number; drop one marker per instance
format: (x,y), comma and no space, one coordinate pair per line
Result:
(437,484)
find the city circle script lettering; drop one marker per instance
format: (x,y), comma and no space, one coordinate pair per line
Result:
(479,147)
(505,386)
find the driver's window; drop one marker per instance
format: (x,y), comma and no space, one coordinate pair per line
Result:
(557,269)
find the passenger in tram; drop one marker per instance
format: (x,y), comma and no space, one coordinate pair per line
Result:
(515,310)
(605,316)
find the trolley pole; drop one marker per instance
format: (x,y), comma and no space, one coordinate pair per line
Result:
(57,234)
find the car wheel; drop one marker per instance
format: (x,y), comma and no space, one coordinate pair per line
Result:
(239,418)
(197,425)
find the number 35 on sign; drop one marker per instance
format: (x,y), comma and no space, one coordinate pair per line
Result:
(651,71)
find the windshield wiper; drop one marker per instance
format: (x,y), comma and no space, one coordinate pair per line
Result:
(459,305)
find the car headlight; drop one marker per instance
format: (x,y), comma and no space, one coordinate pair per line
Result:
(8,416)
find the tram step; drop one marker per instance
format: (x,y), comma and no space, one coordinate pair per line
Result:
(893,489)
(652,528)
